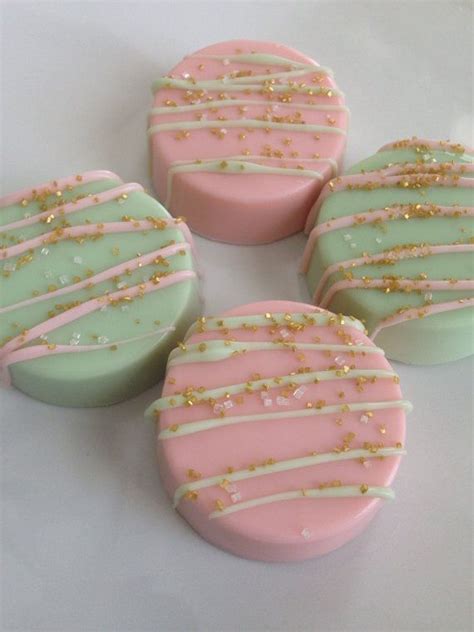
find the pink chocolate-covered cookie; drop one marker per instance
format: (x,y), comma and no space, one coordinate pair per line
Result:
(243,135)
(280,430)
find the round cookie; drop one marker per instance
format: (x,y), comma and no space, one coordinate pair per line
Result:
(243,135)
(97,284)
(280,429)
(391,242)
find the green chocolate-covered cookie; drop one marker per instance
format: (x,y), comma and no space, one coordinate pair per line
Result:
(391,243)
(97,284)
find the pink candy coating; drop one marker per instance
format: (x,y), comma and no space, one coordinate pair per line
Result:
(246,208)
(287,530)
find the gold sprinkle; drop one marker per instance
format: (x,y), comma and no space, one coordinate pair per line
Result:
(191,495)
(364,488)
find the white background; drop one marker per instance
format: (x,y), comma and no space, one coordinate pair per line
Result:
(89,540)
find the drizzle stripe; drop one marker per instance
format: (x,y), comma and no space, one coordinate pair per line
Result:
(298,379)
(117,270)
(282,466)
(370,216)
(219,351)
(90,306)
(435,285)
(445,146)
(307,318)
(428,310)
(263,59)
(245,124)
(210,424)
(221,103)
(394,255)
(38,351)
(85,178)
(255,158)
(214,85)
(92,229)
(71,207)
(379,179)
(331,492)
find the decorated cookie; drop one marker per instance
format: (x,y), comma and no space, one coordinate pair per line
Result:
(280,430)
(391,242)
(97,282)
(243,136)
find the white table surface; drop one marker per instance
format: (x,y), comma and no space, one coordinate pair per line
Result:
(89,540)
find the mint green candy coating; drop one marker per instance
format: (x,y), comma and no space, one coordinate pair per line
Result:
(103,376)
(438,337)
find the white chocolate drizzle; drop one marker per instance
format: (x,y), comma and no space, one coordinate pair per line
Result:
(283,466)
(344,491)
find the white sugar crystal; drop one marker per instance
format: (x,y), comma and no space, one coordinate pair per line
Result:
(103,308)
(306,533)
(347,237)
(359,343)
(264,394)
(9,266)
(121,285)
(48,274)
(185,75)
(223,130)
(284,333)
(367,464)
(231,488)
(378,240)
(44,251)
(102,340)
(268,402)
(43,337)
(64,279)
(364,419)
(226,62)
(124,308)
(428,296)
(282,401)
(77,259)
(218,408)
(353,244)
(236,497)
(300,391)
(228,404)
(75,338)
(339,360)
